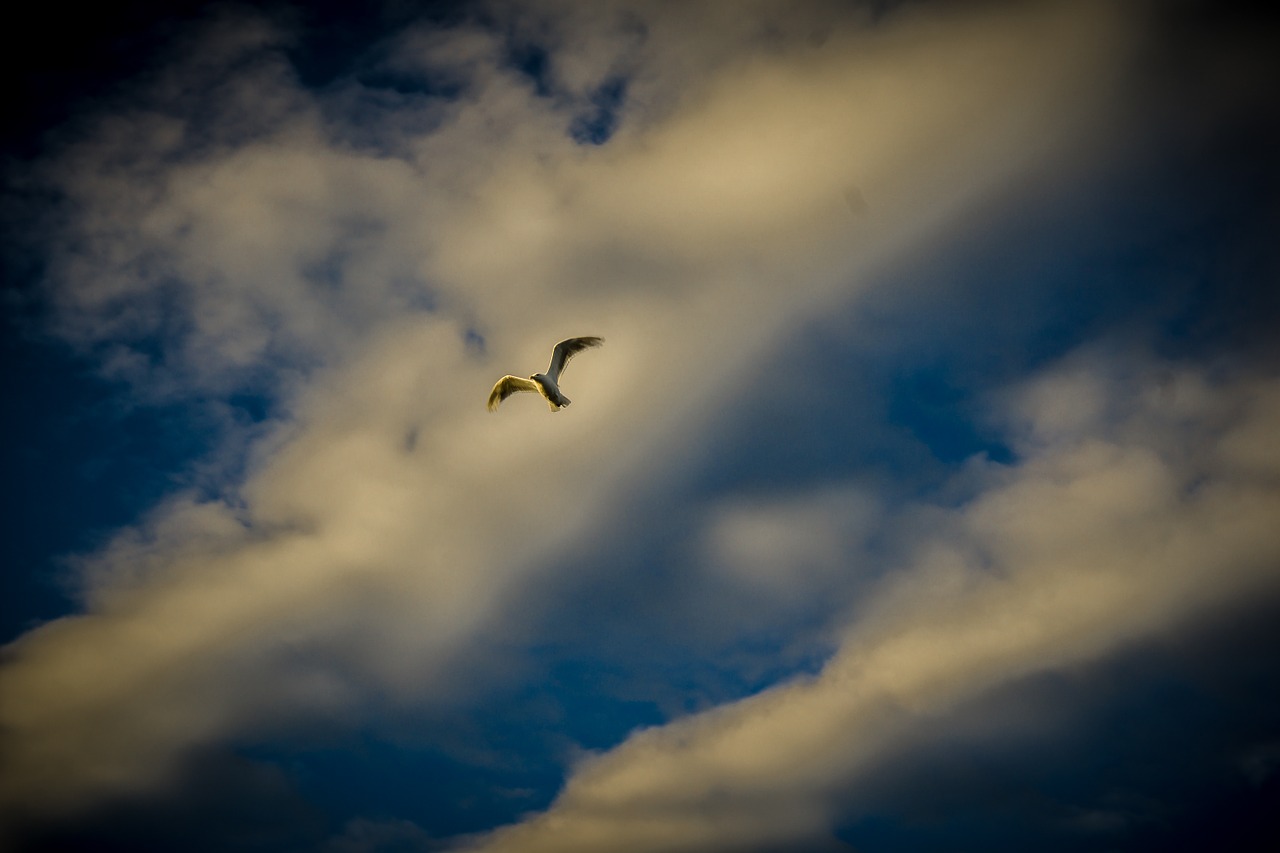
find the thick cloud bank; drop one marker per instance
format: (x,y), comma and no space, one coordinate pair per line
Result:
(696,183)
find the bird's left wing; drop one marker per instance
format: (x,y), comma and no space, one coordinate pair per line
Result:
(506,386)
(566,350)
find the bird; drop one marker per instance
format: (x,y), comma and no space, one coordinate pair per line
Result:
(546,384)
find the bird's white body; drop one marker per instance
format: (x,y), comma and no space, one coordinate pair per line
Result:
(555,397)
(547,384)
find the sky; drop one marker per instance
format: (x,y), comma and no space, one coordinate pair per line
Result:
(922,496)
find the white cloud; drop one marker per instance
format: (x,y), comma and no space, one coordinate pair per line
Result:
(351,561)
(1100,537)
(790,548)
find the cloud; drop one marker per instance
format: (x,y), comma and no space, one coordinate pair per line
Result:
(260,237)
(385,523)
(790,552)
(1115,529)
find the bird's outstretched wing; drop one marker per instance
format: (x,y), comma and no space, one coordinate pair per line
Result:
(508,385)
(566,350)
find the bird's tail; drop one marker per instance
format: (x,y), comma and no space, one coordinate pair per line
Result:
(559,403)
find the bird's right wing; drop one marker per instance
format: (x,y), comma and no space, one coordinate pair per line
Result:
(566,350)
(506,386)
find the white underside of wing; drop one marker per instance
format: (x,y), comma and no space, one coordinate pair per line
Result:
(508,385)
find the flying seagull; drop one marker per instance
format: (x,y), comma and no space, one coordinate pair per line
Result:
(545,384)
